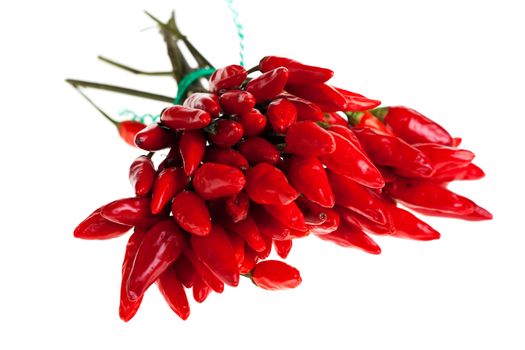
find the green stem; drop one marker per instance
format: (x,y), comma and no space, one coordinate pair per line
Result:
(97,107)
(253,69)
(131,69)
(354,117)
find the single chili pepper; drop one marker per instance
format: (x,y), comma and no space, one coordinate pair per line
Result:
(95,226)
(308,176)
(281,114)
(191,213)
(357,102)
(308,139)
(259,150)
(298,73)
(155,137)
(358,198)
(477,214)
(173,158)
(225,133)
(467,172)
(445,157)
(412,126)
(265,184)
(204,101)
(214,180)
(142,175)
(389,150)
(283,248)
(130,212)
(352,237)
(226,156)
(275,275)
(186,273)
(330,218)
(253,122)
(269,226)
(237,206)
(250,259)
(184,118)
(229,77)
(160,248)
(247,229)
(128,129)
(204,271)
(333,118)
(237,102)
(288,214)
(200,290)
(128,308)
(347,134)
(364,223)
(173,292)
(409,226)
(323,95)
(192,146)
(216,252)
(366,119)
(169,182)
(268,85)
(306,110)
(349,161)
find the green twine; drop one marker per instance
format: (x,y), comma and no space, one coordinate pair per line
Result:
(189,79)
(240,30)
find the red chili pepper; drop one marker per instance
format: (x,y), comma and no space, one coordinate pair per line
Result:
(142,175)
(226,156)
(283,248)
(204,271)
(265,184)
(364,223)
(314,214)
(347,134)
(306,110)
(288,214)
(247,229)
(225,133)
(253,122)
(95,226)
(200,290)
(238,247)
(327,218)
(281,115)
(130,211)
(186,273)
(445,157)
(349,161)
(204,101)
(184,118)
(309,139)
(216,252)
(237,206)
(308,176)
(192,146)
(269,226)
(250,259)
(275,275)
(357,102)
(323,95)
(333,118)
(173,158)
(299,73)
(173,292)
(229,77)
(169,182)
(456,141)
(366,119)
(191,213)
(214,180)
(259,150)
(467,172)
(155,137)
(268,85)
(409,226)
(160,247)
(350,236)
(128,129)
(237,102)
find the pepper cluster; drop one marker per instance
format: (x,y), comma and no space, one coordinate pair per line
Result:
(255,163)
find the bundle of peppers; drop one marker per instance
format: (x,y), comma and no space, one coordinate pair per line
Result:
(252,160)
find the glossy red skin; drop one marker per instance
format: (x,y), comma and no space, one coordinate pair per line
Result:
(467,172)
(268,85)
(237,206)
(347,134)
(306,110)
(253,122)
(289,215)
(192,147)
(226,156)
(226,133)
(445,157)
(477,214)
(414,127)
(275,275)
(184,118)
(250,259)
(308,176)
(327,218)
(283,248)
(349,161)
(154,138)
(281,115)
(160,248)
(308,139)
(247,229)
(237,102)
(216,252)
(298,73)
(186,273)
(267,251)
(259,150)
(173,158)
(352,237)
(229,77)
(204,271)
(95,226)
(238,247)
(133,211)
(200,290)
(410,227)
(128,129)
(214,180)
(358,198)
(168,183)
(204,101)
(356,102)
(333,118)
(173,292)
(324,96)
(364,223)
(128,308)
(191,213)
(265,184)
(456,141)
(392,151)
(329,225)
(269,226)
(367,119)
(142,175)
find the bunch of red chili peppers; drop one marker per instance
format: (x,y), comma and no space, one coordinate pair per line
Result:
(264,157)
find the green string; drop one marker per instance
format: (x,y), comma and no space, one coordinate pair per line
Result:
(189,79)
(240,30)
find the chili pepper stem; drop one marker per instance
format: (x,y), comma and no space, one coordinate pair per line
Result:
(247,275)
(131,69)
(380,113)
(97,107)
(354,117)
(253,69)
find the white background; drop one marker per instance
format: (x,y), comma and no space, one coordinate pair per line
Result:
(460,62)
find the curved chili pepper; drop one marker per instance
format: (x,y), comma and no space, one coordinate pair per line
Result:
(247,229)
(168,183)
(268,85)
(357,102)
(308,176)
(352,237)
(347,134)
(478,214)
(275,275)
(192,147)
(154,137)
(445,157)
(225,133)
(283,248)
(323,95)
(298,73)
(226,156)
(191,213)
(204,101)
(184,118)
(216,252)
(250,259)
(237,206)
(95,226)
(265,184)
(364,223)
(253,122)
(160,247)
(259,150)
(269,226)
(173,292)
(186,273)
(281,114)
(214,180)
(200,290)
(130,212)
(237,102)
(288,214)
(308,139)
(306,110)
(204,271)
(467,172)
(409,226)
(128,129)
(142,175)
(229,77)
